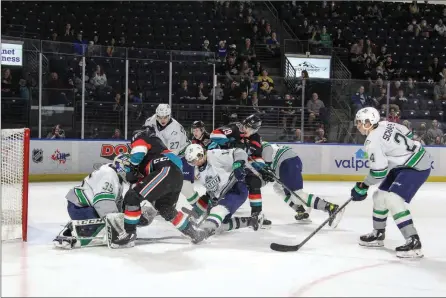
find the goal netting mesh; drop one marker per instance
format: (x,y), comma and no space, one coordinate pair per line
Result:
(13,178)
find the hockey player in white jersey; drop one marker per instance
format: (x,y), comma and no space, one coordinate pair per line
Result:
(228,191)
(174,137)
(401,166)
(286,165)
(99,194)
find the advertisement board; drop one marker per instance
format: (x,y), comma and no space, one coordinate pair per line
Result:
(12,53)
(316,66)
(54,160)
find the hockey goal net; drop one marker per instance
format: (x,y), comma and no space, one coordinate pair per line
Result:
(14,183)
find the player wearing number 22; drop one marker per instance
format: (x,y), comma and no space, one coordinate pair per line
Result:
(402,166)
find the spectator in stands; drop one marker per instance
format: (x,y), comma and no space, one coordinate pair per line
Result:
(253,83)
(433,133)
(383,54)
(256,36)
(134,98)
(407,124)
(118,105)
(440,90)
(248,53)
(202,93)
(80,45)
(232,92)
(255,103)
(315,105)
(273,45)
(243,100)
(244,69)
(183,93)
(391,68)
(325,38)
(267,32)
(393,116)
(258,69)
(23,89)
(122,42)
(394,88)
(320,136)
(440,28)
(362,100)
(232,51)
(205,46)
(436,68)
(266,84)
(339,40)
(117,134)
(413,8)
(57,96)
(55,43)
(222,51)
(111,47)
(368,68)
(56,133)
(418,138)
(422,131)
(382,99)
(315,36)
(376,87)
(231,68)
(288,113)
(7,87)
(425,28)
(94,134)
(298,136)
(438,141)
(400,99)
(67,35)
(218,90)
(410,89)
(99,79)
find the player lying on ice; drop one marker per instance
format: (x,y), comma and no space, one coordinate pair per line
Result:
(282,162)
(402,166)
(222,172)
(99,194)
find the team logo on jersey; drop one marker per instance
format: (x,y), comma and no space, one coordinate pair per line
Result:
(110,151)
(60,157)
(37,155)
(358,161)
(211,183)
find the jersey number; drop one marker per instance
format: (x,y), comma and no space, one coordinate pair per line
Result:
(227,131)
(108,187)
(174,145)
(400,137)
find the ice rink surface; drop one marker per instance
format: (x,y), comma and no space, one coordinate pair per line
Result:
(238,263)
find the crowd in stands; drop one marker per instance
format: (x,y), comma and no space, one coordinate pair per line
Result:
(389,43)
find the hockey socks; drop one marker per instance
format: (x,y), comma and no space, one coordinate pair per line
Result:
(311,200)
(199,204)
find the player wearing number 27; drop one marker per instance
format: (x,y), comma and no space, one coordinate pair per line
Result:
(401,166)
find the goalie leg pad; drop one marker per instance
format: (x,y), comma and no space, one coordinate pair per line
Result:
(117,236)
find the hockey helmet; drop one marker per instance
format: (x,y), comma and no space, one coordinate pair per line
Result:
(253,122)
(193,153)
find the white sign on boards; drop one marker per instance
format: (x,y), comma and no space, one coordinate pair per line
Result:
(12,54)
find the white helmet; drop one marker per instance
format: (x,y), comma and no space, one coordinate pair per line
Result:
(163,110)
(193,153)
(370,114)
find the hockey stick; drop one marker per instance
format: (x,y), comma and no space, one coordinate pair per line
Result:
(286,248)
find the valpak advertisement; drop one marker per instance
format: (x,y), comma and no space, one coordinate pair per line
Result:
(12,53)
(316,66)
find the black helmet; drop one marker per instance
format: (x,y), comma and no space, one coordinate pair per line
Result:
(253,122)
(198,124)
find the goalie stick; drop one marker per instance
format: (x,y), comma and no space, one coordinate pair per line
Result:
(286,248)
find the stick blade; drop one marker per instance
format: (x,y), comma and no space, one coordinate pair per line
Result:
(283,247)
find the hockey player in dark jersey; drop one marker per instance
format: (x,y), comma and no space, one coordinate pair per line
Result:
(158,173)
(200,135)
(244,135)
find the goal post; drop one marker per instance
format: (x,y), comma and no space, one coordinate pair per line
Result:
(14,183)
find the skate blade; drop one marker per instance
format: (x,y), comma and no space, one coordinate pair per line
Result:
(374,244)
(337,219)
(412,254)
(305,221)
(64,245)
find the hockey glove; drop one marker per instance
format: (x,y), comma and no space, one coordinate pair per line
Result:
(132,174)
(239,170)
(359,192)
(267,174)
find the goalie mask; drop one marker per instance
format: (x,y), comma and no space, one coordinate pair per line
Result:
(121,164)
